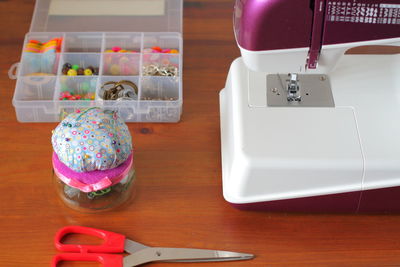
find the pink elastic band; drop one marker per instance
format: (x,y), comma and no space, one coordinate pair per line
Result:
(101,179)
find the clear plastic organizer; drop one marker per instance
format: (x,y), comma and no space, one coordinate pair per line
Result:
(41,83)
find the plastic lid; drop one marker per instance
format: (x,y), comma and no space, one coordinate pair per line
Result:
(107,15)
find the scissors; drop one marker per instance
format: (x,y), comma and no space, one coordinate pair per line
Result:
(139,253)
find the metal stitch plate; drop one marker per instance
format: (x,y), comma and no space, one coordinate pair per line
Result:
(315,91)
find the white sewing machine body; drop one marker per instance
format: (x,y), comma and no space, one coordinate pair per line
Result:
(314,158)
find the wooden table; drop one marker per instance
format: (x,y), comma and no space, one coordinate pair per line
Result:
(179,199)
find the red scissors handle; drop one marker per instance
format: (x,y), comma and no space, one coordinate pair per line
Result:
(108,260)
(113,243)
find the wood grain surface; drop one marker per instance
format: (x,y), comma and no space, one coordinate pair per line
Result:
(179,199)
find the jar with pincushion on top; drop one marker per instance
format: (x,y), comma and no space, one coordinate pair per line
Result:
(93,166)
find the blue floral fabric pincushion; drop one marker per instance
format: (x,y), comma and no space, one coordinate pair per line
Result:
(92,139)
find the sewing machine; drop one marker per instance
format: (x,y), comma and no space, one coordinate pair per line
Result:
(304,126)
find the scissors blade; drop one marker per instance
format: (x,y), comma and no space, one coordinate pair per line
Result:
(133,246)
(182,255)
(222,256)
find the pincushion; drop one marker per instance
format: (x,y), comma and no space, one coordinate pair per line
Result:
(92,140)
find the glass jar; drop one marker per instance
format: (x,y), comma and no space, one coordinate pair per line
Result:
(95,201)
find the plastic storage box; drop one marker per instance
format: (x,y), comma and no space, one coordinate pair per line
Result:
(87,34)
